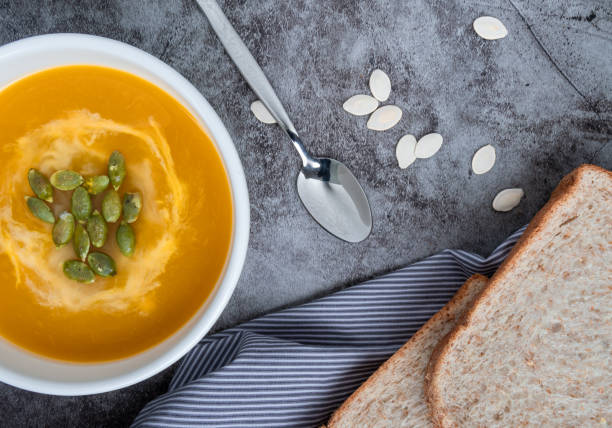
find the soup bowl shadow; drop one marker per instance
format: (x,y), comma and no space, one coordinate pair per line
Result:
(28,371)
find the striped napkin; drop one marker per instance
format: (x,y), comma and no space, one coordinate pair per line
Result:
(295,367)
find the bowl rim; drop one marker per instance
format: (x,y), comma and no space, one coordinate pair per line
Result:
(201,322)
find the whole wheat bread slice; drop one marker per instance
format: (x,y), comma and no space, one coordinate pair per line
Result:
(536,347)
(394,395)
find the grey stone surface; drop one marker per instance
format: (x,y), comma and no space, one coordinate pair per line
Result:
(542,96)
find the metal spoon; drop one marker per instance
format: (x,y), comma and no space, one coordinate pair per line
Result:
(329,191)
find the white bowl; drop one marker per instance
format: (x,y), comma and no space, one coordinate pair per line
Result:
(25,370)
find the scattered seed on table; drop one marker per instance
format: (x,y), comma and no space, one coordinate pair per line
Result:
(508,199)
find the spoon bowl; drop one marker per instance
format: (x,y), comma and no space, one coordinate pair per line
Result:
(334,198)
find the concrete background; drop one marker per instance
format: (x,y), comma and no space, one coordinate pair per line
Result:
(542,96)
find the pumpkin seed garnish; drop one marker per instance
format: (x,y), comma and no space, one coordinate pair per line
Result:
(102,264)
(81,204)
(81,242)
(63,230)
(96,184)
(132,204)
(66,180)
(40,209)
(40,185)
(116,169)
(97,229)
(111,206)
(78,271)
(87,229)
(125,239)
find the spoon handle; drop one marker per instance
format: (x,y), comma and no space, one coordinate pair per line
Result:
(254,76)
(245,62)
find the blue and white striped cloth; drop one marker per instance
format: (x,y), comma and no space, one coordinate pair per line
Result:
(293,368)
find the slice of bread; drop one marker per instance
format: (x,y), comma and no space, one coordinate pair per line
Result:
(394,395)
(536,347)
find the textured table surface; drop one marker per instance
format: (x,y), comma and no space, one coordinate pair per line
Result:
(542,96)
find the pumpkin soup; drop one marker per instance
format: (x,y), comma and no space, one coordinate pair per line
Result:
(165,264)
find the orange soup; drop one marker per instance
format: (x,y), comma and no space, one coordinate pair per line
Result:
(74,117)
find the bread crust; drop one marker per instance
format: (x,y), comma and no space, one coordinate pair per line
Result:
(564,190)
(443,315)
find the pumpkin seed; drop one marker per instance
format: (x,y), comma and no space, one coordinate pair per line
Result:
(490,28)
(360,105)
(78,271)
(111,206)
(261,112)
(428,145)
(81,204)
(40,185)
(384,118)
(40,209)
(63,230)
(125,239)
(132,204)
(81,242)
(102,264)
(116,169)
(97,229)
(96,184)
(404,151)
(380,85)
(483,159)
(66,180)
(508,199)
